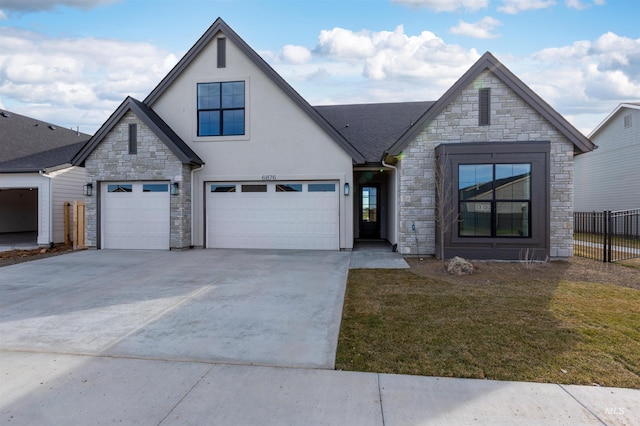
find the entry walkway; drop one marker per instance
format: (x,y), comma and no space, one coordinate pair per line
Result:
(376,254)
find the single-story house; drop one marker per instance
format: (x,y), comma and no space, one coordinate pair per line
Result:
(37,177)
(224,153)
(607,178)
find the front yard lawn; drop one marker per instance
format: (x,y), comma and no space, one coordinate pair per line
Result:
(540,323)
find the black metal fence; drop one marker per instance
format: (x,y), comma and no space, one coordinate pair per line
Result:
(608,236)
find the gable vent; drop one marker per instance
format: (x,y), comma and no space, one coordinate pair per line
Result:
(484,107)
(222,52)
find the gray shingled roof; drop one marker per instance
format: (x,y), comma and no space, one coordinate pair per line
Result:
(46,160)
(22,136)
(373,128)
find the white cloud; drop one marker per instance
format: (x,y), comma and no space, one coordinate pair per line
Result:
(393,54)
(600,74)
(3,16)
(579,5)
(513,7)
(446,5)
(85,74)
(481,29)
(295,54)
(34,5)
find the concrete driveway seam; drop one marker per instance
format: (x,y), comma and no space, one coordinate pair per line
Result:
(582,404)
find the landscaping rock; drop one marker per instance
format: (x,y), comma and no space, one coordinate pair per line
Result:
(460,266)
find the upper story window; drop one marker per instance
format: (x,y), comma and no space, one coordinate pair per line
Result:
(627,121)
(484,107)
(221,108)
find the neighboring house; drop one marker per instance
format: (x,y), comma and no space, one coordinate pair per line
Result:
(36,176)
(224,153)
(607,178)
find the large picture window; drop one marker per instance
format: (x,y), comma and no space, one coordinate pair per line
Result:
(221,108)
(494,200)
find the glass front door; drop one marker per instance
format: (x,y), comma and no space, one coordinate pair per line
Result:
(369,211)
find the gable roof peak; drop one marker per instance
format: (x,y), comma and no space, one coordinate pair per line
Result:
(489,61)
(161,129)
(221,26)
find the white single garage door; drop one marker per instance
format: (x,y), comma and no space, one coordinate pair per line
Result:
(135,215)
(287,215)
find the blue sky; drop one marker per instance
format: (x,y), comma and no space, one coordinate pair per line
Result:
(72,62)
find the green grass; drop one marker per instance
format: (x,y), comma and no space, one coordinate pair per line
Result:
(529,330)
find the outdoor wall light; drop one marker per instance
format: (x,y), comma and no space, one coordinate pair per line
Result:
(346,188)
(175,188)
(87,189)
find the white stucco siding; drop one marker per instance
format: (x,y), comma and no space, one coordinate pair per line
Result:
(281,141)
(66,187)
(42,185)
(607,178)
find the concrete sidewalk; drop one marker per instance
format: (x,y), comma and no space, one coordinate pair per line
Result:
(47,389)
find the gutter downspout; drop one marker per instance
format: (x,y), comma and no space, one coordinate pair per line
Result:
(193,171)
(396,210)
(43,173)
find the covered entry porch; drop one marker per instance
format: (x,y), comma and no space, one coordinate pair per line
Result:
(375,207)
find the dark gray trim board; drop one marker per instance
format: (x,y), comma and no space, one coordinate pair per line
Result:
(507,248)
(488,61)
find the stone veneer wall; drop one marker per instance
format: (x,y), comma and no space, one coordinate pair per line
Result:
(111,161)
(512,119)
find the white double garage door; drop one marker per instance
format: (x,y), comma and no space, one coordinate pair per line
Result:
(278,215)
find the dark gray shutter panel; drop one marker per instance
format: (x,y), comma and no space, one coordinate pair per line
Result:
(484,107)
(133,138)
(222,52)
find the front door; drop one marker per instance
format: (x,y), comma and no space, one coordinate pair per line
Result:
(370,211)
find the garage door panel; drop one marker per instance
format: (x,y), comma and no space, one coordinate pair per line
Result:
(139,219)
(286,216)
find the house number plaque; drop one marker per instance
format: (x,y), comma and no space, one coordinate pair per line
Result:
(269,177)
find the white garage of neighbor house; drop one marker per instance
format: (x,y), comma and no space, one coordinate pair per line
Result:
(224,153)
(36,177)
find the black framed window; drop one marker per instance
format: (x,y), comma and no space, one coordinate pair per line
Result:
(494,200)
(221,108)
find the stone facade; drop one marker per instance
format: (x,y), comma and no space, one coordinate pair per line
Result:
(154,161)
(512,119)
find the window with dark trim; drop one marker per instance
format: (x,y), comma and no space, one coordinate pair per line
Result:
(221,108)
(484,107)
(133,138)
(222,52)
(494,200)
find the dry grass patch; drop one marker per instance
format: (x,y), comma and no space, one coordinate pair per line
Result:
(505,322)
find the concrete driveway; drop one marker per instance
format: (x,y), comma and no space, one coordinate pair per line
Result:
(272,308)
